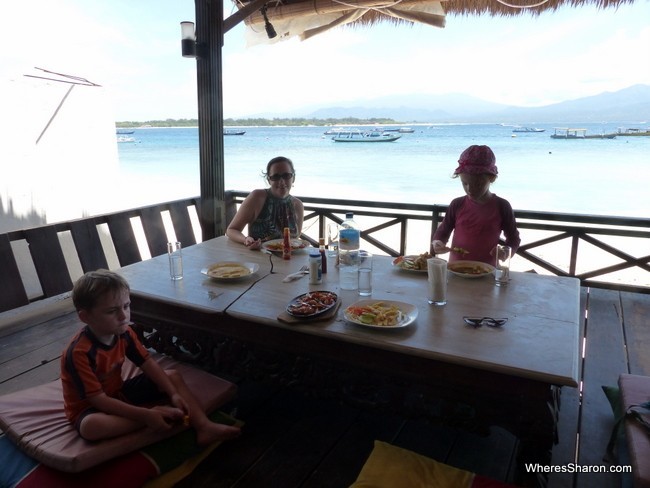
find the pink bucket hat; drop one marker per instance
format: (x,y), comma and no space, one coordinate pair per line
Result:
(477,160)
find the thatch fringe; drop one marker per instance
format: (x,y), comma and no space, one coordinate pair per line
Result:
(285,9)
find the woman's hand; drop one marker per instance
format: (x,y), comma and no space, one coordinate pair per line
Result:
(439,247)
(251,243)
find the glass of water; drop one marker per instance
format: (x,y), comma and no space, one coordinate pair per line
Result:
(332,240)
(365,273)
(175,260)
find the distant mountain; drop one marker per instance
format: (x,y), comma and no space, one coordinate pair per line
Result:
(629,104)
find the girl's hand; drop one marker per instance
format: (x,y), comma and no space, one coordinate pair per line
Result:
(503,254)
(439,247)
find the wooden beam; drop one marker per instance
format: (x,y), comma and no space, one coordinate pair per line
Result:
(241,14)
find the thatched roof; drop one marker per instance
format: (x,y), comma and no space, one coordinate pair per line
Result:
(310,17)
(515,7)
(456,7)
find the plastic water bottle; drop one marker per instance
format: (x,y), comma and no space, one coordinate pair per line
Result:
(315,267)
(349,236)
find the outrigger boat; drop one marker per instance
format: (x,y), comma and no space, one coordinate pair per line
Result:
(567,133)
(371,136)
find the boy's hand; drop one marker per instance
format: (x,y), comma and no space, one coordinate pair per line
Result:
(439,247)
(162,417)
(179,402)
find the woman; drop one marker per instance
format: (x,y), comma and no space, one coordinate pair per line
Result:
(267,212)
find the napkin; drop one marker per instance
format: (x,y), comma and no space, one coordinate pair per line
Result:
(294,276)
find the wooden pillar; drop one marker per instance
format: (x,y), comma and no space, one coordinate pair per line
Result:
(209,36)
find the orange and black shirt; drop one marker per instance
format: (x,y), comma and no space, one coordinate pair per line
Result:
(89,367)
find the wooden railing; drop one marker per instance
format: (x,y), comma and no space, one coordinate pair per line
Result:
(602,251)
(44,261)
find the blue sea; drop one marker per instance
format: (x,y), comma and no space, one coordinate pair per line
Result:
(536,172)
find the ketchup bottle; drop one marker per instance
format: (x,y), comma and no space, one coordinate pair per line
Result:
(286,244)
(323,255)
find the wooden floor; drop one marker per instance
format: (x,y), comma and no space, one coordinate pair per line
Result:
(291,440)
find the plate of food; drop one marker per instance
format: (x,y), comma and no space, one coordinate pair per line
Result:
(230,270)
(277,245)
(470,269)
(312,303)
(381,314)
(417,264)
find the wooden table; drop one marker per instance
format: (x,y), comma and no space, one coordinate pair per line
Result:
(507,376)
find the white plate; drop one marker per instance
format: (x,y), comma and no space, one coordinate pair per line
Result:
(486,269)
(230,270)
(409,313)
(400,264)
(275,245)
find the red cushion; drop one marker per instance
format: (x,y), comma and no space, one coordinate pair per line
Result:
(34,420)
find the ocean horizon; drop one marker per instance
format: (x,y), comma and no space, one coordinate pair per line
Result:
(95,174)
(536,172)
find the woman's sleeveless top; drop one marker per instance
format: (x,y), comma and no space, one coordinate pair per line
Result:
(276,214)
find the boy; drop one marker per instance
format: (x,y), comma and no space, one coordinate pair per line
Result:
(97,401)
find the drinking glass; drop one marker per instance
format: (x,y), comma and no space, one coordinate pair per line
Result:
(175,260)
(502,265)
(437,274)
(365,274)
(332,240)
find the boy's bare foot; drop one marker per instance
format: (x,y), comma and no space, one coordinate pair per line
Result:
(211,432)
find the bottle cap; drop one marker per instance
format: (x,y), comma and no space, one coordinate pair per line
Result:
(314,252)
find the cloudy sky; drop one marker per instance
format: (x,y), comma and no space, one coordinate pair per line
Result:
(132,49)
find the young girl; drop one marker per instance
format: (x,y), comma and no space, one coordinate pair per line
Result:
(478,218)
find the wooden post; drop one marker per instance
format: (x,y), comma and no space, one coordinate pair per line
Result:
(209,36)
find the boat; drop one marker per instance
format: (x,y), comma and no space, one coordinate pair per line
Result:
(527,129)
(125,139)
(569,133)
(403,130)
(233,132)
(632,132)
(371,136)
(121,132)
(335,130)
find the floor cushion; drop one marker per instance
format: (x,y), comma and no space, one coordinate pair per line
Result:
(159,465)
(389,466)
(34,420)
(635,390)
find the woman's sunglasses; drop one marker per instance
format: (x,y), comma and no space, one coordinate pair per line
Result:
(477,322)
(281,176)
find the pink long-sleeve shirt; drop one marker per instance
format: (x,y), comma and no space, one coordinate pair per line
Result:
(477,228)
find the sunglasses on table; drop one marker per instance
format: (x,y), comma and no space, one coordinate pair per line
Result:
(477,322)
(281,176)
